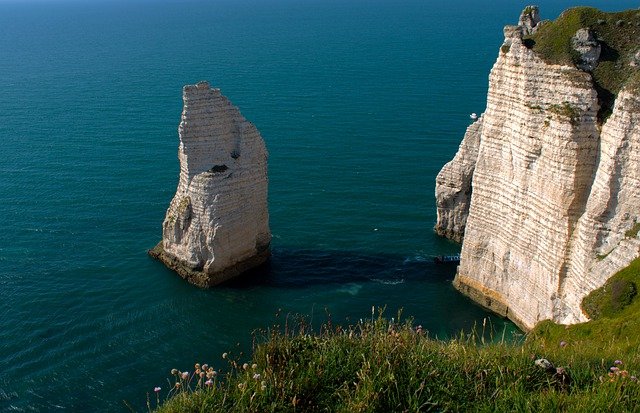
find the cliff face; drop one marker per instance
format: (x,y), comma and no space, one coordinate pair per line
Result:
(555,192)
(453,185)
(217,225)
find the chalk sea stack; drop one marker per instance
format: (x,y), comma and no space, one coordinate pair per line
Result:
(544,192)
(217,225)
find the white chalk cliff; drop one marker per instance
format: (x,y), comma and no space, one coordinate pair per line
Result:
(217,225)
(544,196)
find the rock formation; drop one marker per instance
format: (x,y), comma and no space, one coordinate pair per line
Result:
(529,19)
(217,225)
(584,42)
(454,185)
(556,193)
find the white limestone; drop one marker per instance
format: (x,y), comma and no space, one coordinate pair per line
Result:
(217,225)
(453,186)
(553,191)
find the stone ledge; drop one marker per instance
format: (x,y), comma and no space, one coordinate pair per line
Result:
(487,298)
(207,280)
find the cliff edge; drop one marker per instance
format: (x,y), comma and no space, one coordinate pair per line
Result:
(217,225)
(544,191)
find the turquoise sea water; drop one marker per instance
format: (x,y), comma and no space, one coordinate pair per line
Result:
(360,103)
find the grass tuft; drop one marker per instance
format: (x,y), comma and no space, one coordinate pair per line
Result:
(633,232)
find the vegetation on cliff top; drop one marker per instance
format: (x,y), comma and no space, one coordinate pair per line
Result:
(618,33)
(382,365)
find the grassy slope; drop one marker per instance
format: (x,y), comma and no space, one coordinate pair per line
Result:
(618,33)
(382,367)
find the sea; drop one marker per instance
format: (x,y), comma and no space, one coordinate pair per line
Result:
(360,102)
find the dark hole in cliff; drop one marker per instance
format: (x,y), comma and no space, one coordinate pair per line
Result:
(218,168)
(606,99)
(528,43)
(608,53)
(606,76)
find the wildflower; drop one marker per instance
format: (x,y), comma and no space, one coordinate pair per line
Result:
(224,355)
(209,382)
(617,362)
(157,389)
(201,374)
(254,366)
(197,366)
(614,369)
(185,375)
(256,376)
(177,385)
(245,366)
(241,386)
(205,367)
(174,372)
(263,385)
(563,344)
(633,378)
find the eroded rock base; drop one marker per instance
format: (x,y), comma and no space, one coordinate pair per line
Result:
(486,298)
(206,280)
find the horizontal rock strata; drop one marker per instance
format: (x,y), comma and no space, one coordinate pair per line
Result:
(555,194)
(217,225)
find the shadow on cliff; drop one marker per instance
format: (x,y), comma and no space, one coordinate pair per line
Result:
(301,268)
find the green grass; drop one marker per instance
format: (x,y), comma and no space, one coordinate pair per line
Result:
(614,331)
(552,42)
(567,111)
(382,365)
(633,232)
(615,296)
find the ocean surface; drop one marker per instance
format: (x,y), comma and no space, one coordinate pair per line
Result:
(360,103)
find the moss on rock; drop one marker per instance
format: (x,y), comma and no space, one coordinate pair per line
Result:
(620,42)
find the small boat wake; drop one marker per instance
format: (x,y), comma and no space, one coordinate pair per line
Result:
(388,281)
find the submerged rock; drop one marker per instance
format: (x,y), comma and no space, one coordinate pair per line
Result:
(217,225)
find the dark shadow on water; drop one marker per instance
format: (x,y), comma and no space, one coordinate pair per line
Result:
(301,268)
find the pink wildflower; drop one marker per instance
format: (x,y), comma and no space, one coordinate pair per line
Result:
(157,389)
(185,375)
